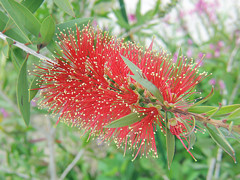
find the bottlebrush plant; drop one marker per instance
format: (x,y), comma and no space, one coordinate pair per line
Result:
(118,92)
(114,89)
(125,93)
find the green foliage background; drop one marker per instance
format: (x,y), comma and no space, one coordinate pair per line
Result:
(43,151)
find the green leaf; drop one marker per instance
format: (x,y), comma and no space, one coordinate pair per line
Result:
(236,136)
(71,24)
(15,33)
(32,5)
(135,70)
(65,6)
(230,134)
(3,20)
(47,30)
(190,132)
(234,114)
(201,109)
(138,11)
(22,17)
(221,141)
(123,10)
(22,93)
(157,7)
(120,19)
(15,60)
(126,120)
(10,25)
(204,99)
(33,90)
(148,16)
(225,110)
(139,77)
(192,140)
(170,143)
(149,86)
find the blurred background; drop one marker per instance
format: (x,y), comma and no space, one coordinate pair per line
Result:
(203,29)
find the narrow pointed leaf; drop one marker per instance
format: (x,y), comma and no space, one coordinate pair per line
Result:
(190,132)
(170,143)
(123,10)
(126,120)
(224,111)
(134,69)
(33,90)
(15,60)
(120,19)
(22,93)
(32,5)
(10,24)
(47,30)
(138,11)
(222,142)
(192,140)
(3,20)
(22,17)
(65,6)
(235,115)
(236,121)
(201,109)
(149,86)
(204,99)
(139,77)
(15,33)
(236,136)
(230,134)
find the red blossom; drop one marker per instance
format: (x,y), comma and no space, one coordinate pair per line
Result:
(89,86)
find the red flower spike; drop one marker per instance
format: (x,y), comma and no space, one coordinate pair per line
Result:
(89,86)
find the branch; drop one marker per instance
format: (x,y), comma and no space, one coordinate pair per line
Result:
(207,120)
(25,48)
(211,169)
(6,170)
(218,163)
(50,138)
(70,166)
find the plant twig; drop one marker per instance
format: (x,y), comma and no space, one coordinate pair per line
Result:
(218,163)
(70,166)
(25,48)
(50,138)
(21,175)
(211,169)
(203,119)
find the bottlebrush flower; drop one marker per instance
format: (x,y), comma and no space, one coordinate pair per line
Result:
(90,86)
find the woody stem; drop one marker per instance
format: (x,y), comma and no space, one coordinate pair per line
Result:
(206,120)
(25,48)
